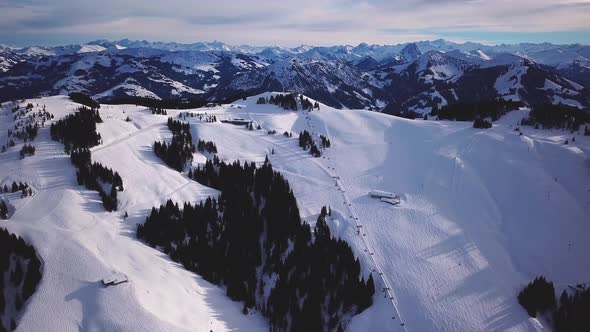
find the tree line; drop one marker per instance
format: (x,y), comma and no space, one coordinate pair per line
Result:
(27,133)
(95,176)
(289,102)
(307,142)
(482,124)
(180,150)
(251,235)
(203,117)
(158,110)
(24,188)
(20,273)
(78,133)
(77,130)
(325,141)
(549,116)
(159,103)
(208,146)
(571,313)
(84,99)
(493,109)
(26,125)
(27,150)
(3,209)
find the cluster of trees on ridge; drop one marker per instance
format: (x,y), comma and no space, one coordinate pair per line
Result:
(78,133)
(307,142)
(158,110)
(482,124)
(77,130)
(27,150)
(570,313)
(493,109)
(3,209)
(84,99)
(20,273)
(95,176)
(158,103)
(24,188)
(203,117)
(208,146)
(252,234)
(289,102)
(26,124)
(549,116)
(180,150)
(325,141)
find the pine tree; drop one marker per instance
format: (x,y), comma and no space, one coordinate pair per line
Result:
(3,210)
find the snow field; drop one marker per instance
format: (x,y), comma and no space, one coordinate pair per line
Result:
(482,213)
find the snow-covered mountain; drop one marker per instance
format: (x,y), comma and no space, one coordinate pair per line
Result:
(393,78)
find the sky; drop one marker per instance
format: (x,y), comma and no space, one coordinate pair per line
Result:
(294,22)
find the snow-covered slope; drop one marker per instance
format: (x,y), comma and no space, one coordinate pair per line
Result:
(482,213)
(81,244)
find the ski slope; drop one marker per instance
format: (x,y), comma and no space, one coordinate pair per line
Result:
(482,213)
(81,244)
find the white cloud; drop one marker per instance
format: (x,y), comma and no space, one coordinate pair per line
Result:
(287,22)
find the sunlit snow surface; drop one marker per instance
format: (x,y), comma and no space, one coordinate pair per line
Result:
(482,213)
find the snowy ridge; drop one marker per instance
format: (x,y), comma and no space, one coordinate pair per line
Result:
(388,78)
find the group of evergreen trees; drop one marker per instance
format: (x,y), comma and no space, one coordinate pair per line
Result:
(307,142)
(482,124)
(180,150)
(27,150)
(289,102)
(3,209)
(538,296)
(159,103)
(251,234)
(308,105)
(24,188)
(158,110)
(84,99)
(20,273)
(26,125)
(208,146)
(203,117)
(77,130)
(325,141)
(95,176)
(556,116)
(571,313)
(28,132)
(305,139)
(493,109)
(78,133)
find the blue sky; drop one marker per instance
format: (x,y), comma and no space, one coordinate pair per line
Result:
(291,23)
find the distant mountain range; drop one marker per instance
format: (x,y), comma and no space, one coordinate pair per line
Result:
(390,78)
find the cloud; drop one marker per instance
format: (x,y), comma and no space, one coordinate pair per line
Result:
(286,22)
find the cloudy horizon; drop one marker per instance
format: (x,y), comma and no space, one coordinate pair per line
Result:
(293,23)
